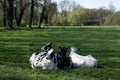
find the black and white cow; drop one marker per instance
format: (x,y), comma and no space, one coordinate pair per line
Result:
(39,59)
(49,59)
(60,58)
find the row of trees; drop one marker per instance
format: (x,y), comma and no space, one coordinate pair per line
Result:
(67,12)
(78,15)
(26,12)
(113,19)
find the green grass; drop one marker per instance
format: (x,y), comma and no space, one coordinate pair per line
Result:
(103,43)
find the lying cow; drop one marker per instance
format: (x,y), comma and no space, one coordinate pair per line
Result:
(39,59)
(82,61)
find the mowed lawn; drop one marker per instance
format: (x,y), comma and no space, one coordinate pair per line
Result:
(17,46)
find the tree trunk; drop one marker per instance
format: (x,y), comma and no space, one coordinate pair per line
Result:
(19,16)
(4,7)
(10,14)
(31,13)
(4,14)
(44,15)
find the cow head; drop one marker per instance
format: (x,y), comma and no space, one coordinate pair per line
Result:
(47,47)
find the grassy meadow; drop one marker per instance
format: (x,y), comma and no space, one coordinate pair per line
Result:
(103,43)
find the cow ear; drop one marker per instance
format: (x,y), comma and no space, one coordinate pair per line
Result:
(78,49)
(68,48)
(59,47)
(49,44)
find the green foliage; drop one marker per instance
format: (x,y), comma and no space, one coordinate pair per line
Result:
(17,46)
(108,20)
(78,16)
(60,19)
(116,18)
(113,19)
(56,20)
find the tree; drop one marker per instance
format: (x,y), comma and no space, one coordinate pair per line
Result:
(1,24)
(113,19)
(20,7)
(4,8)
(109,19)
(97,16)
(116,18)
(31,13)
(78,16)
(111,7)
(52,9)
(55,20)
(102,13)
(44,14)
(66,6)
(48,10)
(10,14)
